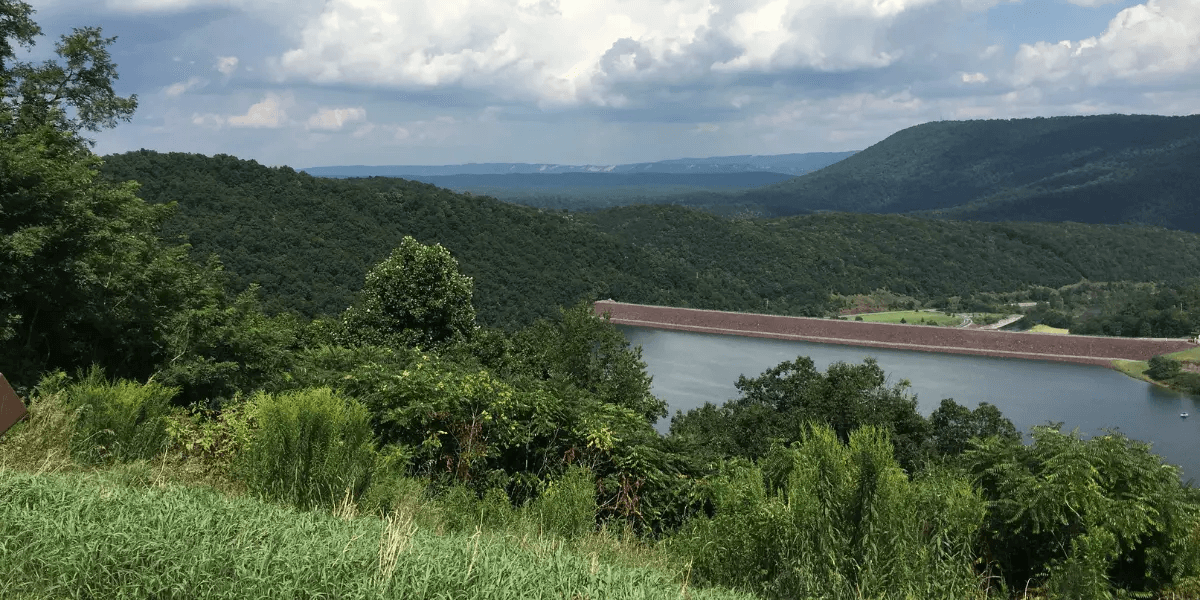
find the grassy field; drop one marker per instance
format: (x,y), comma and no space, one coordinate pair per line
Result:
(1039,328)
(1189,355)
(120,535)
(912,317)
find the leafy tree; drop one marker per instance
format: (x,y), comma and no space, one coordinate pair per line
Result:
(779,404)
(953,426)
(1162,367)
(36,96)
(1084,518)
(588,352)
(416,297)
(72,253)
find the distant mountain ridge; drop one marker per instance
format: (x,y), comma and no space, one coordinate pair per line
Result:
(788,164)
(1092,169)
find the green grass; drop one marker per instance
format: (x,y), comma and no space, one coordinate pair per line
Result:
(1133,368)
(1039,328)
(1189,355)
(912,317)
(116,534)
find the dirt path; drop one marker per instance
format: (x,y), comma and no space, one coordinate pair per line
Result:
(951,340)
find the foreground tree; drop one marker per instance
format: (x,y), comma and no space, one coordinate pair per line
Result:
(1085,518)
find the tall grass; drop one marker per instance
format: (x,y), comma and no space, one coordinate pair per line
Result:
(91,419)
(829,520)
(309,448)
(89,535)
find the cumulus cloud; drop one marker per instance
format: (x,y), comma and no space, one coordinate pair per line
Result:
(1147,42)
(974,78)
(177,89)
(333,119)
(268,113)
(584,52)
(227,64)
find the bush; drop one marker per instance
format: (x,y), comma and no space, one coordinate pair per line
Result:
(311,448)
(114,421)
(1162,367)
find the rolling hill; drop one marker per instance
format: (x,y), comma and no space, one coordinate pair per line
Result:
(309,241)
(1093,169)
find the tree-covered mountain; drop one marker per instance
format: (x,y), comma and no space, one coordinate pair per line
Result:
(309,241)
(1094,169)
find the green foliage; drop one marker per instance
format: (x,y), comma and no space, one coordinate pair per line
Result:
(1162,367)
(414,298)
(833,520)
(311,447)
(952,426)
(115,421)
(38,96)
(779,404)
(1085,518)
(586,351)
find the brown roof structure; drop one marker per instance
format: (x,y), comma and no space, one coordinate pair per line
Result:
(11,407)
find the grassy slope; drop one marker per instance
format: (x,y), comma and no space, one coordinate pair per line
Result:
(1137,368)
(100,535)
(1099,169)
(912,317)
(1039,328)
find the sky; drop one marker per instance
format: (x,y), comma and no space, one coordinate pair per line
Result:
(427,82)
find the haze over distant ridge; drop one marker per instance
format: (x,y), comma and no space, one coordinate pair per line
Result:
(788,164)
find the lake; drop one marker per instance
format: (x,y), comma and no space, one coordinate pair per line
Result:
(690,369)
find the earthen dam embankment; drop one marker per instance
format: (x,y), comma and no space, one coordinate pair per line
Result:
(1091,350)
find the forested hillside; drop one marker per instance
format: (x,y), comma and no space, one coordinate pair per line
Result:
(308,241)
(1095,169)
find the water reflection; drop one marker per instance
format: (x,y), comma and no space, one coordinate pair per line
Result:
(692,368)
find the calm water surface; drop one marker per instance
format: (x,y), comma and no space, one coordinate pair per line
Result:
(690,369)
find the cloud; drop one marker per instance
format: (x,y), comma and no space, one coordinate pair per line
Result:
(333,119)
(268,113)
(974,78)
(564,53)
(177,89)
(227,64)
(1148,42)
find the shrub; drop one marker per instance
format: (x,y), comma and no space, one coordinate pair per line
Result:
(310,448)
(114,420)
(1162,367)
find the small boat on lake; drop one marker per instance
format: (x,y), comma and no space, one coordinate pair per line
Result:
(1184,415)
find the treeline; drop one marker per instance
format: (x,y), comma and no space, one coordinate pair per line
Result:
(307,242)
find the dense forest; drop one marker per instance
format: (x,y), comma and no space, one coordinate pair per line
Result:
(183,442)
(1093,169)
(307,242)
